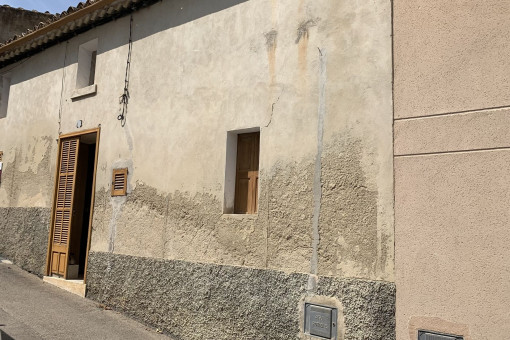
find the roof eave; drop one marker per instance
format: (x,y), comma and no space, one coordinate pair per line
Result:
(66,27)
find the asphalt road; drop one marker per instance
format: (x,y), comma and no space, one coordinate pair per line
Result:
(31,309)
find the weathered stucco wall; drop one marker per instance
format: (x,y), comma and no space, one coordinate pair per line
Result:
(213,92)
(314,76)
(28,140)
(451,168)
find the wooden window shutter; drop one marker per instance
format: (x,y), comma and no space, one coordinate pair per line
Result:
(247,173)
(64,205)
(1,155)
(119,182)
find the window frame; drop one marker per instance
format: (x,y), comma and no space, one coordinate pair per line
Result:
(86,73)
(247,204)
(231,165)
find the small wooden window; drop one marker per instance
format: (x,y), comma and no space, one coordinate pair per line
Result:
(119,182)
(247,173)
(1,155)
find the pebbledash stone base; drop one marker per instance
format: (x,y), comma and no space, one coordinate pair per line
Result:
(206,301)
(24,237)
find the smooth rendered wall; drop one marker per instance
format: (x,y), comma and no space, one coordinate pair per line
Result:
(452,182)
(315,78)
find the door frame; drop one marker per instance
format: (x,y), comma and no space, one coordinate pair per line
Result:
(54,201)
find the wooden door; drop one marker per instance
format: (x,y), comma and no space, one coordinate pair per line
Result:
(247,173)
(64,206)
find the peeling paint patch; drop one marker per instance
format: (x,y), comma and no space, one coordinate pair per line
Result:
(192,227)
(289,194)
(348,224)
(28,176)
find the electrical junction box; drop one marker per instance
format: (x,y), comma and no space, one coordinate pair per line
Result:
(424,335)
(321,321)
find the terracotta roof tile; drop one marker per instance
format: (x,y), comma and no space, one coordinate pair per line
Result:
(53,18)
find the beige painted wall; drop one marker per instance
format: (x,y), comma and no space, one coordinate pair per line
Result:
(199,71)
(452,182)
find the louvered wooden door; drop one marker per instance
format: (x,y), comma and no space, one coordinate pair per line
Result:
(64,206)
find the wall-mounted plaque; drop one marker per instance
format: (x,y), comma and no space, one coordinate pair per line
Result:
(321,321)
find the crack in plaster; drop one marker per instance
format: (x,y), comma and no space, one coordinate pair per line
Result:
(317,185)
(272,107)
(117,204)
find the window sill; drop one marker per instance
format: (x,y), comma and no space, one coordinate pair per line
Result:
(84,91)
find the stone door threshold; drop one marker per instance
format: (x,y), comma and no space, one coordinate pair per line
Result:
(77,287)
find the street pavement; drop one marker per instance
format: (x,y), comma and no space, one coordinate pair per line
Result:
(31,309)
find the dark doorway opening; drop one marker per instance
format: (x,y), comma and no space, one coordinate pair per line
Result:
(82,206)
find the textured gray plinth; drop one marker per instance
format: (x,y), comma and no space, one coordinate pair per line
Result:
(206,301)
(24,237)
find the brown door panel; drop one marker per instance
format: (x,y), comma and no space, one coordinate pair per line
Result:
(61,227)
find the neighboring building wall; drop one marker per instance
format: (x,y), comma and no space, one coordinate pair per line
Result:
(452,172)
(315,76)
(17,20)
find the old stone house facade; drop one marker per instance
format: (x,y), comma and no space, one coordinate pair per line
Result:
(232,169)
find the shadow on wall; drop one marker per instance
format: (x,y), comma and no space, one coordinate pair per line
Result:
(148,21)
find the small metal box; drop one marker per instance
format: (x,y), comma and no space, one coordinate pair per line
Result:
(424,335)
(321,321)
